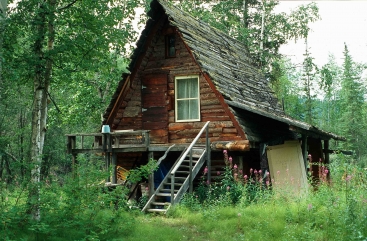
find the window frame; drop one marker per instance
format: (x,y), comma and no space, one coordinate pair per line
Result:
(167,45)
(178,78)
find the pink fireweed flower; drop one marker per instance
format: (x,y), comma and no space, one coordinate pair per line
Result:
(240,171)
(225,151)
(230,159)
(348,178)
(278,172)
(228,187)
(205,170)
(245,177)
(255,171)
(267,183)
(251,170)
(235,166)
(207,182)
(326,171)
(260,172)
(218,173)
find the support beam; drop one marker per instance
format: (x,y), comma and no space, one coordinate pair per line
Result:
(151,177)
(114,168)
(242,145)
(304,150)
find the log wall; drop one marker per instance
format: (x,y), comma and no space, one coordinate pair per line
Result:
(150,102)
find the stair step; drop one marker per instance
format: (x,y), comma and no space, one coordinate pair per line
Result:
(157,210)
(188,160)
(161,203)
(176,184)
(183,172)
(164,194)
(168,190)
(179,178)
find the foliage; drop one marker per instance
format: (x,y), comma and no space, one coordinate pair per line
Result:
(79,207)
(256,24)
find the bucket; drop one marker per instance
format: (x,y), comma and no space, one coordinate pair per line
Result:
(105,129)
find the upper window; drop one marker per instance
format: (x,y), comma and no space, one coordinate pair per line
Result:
(170,46)
(187,101)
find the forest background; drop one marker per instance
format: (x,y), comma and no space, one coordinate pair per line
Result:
(60,62)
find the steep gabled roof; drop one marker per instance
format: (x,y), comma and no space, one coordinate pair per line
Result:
(228,65)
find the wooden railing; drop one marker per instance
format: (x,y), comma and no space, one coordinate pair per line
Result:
(188,152)
(95,142)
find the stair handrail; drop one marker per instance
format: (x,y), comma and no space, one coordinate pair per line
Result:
(189,150)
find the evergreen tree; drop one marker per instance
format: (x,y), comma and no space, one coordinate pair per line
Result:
(352,99)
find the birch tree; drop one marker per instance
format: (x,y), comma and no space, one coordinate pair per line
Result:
(49,42)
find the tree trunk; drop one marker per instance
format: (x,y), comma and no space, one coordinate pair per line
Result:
(43,69)
(3,5)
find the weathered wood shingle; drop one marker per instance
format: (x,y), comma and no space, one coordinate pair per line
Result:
(229,66)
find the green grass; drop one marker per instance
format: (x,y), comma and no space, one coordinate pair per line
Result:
(80,211)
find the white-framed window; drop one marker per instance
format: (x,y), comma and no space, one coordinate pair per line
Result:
(187,98)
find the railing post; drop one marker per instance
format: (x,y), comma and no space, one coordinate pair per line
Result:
(172,189)
(190,173)
(208,154)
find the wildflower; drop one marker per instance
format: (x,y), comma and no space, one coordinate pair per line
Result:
(251,170)
(225,151)
(230,159)
(235,166)
(326,171)
(205,170)
(255,171)
(245,177)
(309,206)
(278,172)
(207,182)
(260,172)
(348,178)
(228,187)
(240,171)
(218,173)
(267,183)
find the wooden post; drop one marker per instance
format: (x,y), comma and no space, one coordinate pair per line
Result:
(208,155)
(114,168)
(304,150)
(71,147)
(326,151)
(106,144)
(190,173)
(151,177)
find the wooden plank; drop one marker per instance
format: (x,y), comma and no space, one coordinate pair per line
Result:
(154,100)
(155,125)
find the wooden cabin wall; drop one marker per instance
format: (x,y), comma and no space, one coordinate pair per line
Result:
(149,105)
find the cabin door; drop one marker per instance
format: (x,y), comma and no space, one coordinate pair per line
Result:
(154,104)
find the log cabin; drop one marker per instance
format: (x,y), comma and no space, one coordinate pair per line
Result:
(191,93)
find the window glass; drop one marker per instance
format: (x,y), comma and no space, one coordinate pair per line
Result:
(187,98)
(170,46)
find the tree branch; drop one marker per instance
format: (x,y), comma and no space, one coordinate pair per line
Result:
(67,6)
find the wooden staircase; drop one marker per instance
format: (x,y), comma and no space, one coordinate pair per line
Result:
(180,178)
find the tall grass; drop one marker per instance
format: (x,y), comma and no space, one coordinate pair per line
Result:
(235,209)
